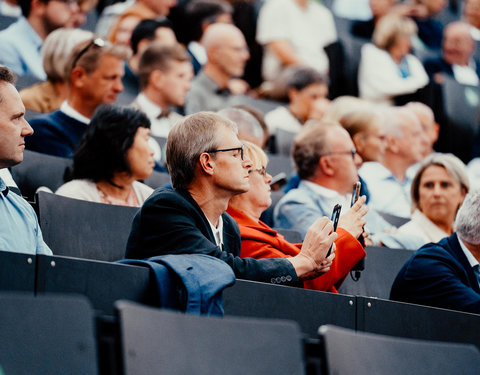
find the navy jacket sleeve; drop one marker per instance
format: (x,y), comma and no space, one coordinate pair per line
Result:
(438,275)
(171,223)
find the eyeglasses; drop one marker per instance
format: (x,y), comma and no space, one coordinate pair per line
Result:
(352,152)
(99,42)
(262,171)
(228,149)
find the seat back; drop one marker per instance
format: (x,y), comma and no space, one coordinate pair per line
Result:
(284,141)
(102,283)
(37,170)
(280,163)
(308,308)
(156,341)
(17,272)
(381,267)
(349,352)
(48,335)
(82,229)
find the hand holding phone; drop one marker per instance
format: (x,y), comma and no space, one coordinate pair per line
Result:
(355,194)
(335,216)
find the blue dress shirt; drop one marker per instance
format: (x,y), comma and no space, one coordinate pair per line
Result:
(20,49)
(19,229)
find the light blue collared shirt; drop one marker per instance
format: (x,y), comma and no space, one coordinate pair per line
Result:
(20,49)
(387,194)
(19,229)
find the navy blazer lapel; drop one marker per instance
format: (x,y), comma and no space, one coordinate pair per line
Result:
(460,256)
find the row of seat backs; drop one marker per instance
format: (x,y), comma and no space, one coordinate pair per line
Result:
(104,283)
(56,334)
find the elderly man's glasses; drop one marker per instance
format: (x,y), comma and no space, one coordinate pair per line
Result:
(352,152)
(98,42)
(228,149)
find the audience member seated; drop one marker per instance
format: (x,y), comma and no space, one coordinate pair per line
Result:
(446,274)
(457,60)
(165,75)
(218,84)
(227,54)
(21,42)
(261,241)
(48,96)
(327,163)
(430,30)
(148,31)
(387,69)
(342,105)
(207,166)
(249,128)
(294,32)
(388,180)
(199,15)
(471,13)
(438,190)
(307,94)
(95,72)
(366,130)
(111,158)
(138,11)
(427,119)
(19,231)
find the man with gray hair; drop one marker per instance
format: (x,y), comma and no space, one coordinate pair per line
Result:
(388,180)
(208,167)
(446,274)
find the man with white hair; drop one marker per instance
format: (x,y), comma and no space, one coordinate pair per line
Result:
(227,53)
(446,274)
(388,181)
(249,129)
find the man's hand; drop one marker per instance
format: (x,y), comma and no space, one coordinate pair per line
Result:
(353,220)
(311,262)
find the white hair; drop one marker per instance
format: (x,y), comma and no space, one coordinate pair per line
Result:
(467,223)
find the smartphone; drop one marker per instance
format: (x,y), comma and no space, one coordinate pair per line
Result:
(280,179)
(355,194)
(335,217)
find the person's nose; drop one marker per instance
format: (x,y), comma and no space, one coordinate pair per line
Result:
(26,129)
(437,189)
(247,163)
(268,178)
(118,86)
(357,160)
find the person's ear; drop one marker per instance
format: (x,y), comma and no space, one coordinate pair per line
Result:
(78,77)
(326,167)
(392,144)
(359,141)
(156,79)
(207,163)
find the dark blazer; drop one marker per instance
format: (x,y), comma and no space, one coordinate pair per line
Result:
(439,65)
(171,222)
(439,275)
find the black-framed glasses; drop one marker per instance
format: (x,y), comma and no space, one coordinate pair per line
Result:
(99,42)
(228,149)
(352,152)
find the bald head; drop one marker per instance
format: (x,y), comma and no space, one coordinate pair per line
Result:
(427,120)
(219,34)
(458,45)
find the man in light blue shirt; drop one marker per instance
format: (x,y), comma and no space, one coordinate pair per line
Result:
(389,181)
(21,42)
(19,229)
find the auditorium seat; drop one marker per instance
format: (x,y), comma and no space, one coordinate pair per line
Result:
(156,341)
(82,229)
(47,335)
(37,170)
(356,353)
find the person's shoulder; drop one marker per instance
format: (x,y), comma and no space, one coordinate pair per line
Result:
(142,191)
(302,194)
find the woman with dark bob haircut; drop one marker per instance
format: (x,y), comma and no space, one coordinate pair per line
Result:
(111,157)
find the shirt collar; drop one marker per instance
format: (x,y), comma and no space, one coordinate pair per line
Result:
(198,51)
(69,111)
(148,106)
(217,231)
(3,187)
(471,259)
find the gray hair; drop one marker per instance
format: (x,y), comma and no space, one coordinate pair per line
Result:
(453,165)
(6,76)
(244,120)
(390,28)
(56,50)
(309,145)
(467,224)
(393,120)
(190,138)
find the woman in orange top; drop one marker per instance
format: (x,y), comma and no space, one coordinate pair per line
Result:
(261,241)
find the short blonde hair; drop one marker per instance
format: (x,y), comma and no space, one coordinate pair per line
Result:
(255,154)
(363,121)
(390,29)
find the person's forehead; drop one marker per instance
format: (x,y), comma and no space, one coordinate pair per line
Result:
(9,98)
(339,138)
